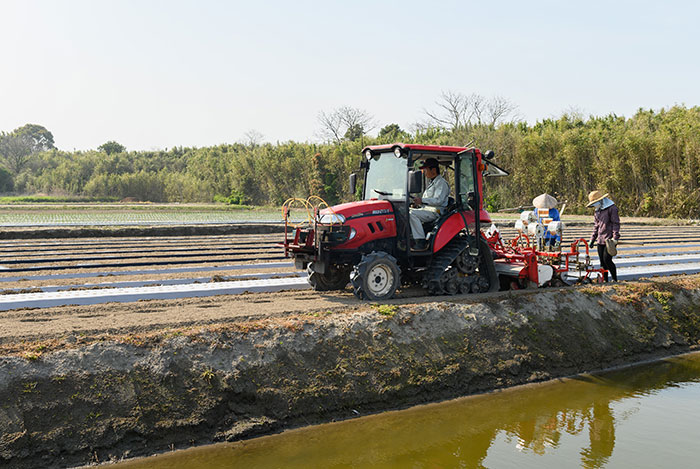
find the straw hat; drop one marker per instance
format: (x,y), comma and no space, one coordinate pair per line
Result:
(611,246)
(544,201)
(595,196)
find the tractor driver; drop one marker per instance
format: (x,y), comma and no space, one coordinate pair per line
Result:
(432,204)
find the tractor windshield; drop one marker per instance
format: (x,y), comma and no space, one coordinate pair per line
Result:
(386,177)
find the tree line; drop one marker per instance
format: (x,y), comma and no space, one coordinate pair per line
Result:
(649,163)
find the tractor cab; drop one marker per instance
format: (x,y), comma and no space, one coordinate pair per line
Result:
(368,242)
(392,173)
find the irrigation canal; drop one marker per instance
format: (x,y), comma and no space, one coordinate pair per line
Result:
(642,417)
(44,273)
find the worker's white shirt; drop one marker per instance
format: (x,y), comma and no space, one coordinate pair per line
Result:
(437,194)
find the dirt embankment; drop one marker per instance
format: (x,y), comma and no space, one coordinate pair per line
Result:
(135,395)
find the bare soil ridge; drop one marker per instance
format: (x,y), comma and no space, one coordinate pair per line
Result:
(135,231)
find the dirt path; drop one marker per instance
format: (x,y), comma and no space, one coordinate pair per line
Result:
(24,329)
(68,322)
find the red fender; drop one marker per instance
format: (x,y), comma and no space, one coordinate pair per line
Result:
(454,224)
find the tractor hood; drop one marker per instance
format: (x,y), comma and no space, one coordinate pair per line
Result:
(363,208)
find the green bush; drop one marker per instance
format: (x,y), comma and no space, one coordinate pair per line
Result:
(236,198)
(492,202)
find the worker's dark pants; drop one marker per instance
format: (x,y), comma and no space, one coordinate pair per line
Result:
(550,241)
(606,262)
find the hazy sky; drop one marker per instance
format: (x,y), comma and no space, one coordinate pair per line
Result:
(156,74)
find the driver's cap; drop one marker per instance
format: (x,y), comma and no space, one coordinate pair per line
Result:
(430,163)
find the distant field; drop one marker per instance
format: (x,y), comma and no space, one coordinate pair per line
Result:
(92,214)
(32,199)
(143,214)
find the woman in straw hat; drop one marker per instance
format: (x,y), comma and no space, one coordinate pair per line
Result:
(606,230)
(546,212)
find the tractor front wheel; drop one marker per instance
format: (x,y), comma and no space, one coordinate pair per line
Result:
(335,278)
(376,277)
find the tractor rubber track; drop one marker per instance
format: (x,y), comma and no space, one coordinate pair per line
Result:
(441,261)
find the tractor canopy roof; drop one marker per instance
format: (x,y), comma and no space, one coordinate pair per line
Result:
(414,147)
(444,154)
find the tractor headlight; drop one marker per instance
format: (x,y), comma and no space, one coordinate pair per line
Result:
(368,155)
(332,219)
(397,152)
(352,233)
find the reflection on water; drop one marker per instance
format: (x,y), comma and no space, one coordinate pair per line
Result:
(638,417)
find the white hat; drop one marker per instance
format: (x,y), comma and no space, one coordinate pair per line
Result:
(544,201)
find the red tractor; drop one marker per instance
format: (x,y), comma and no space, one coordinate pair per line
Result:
(368,243)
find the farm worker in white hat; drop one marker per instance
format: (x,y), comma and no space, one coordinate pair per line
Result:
(546,212)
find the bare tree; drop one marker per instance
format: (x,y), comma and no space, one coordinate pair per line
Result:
(478,104)
(357,118)
(457,110)
(331,126)
(498,109)
(574,113)
(345,123)
(252,138)
(453,110)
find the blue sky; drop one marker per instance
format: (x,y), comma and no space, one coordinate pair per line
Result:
(156,74)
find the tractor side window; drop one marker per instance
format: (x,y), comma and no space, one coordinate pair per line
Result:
(466,183)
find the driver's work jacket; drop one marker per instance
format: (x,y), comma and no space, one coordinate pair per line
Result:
(436,195)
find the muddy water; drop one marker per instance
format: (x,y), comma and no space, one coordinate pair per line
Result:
(647,416)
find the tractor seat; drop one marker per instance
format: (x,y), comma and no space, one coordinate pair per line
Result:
(430,226)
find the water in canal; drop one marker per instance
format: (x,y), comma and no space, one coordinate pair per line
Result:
(641,417)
